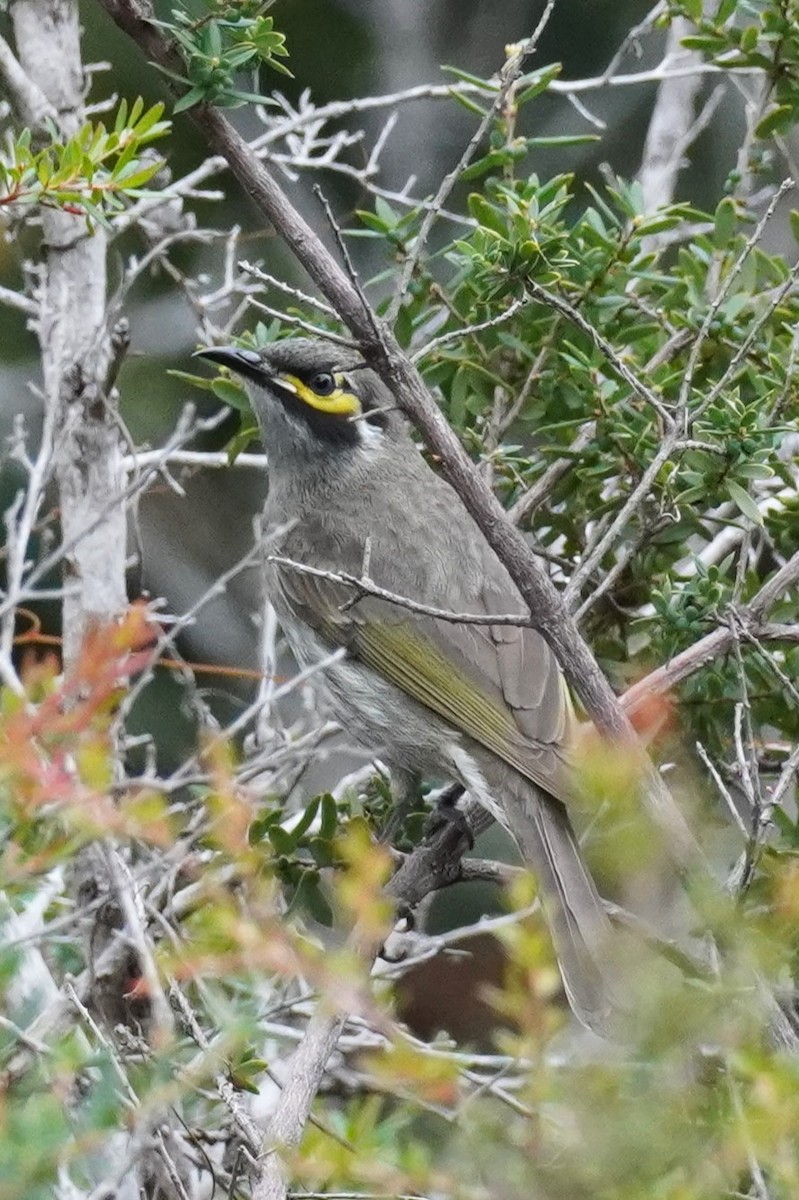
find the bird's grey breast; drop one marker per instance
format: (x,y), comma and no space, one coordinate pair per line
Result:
(317,620)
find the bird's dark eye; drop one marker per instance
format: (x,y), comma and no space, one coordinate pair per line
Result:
(323,383)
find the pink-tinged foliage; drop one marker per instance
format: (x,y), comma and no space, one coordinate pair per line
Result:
(57,749)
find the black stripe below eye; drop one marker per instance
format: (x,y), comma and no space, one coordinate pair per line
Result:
(328,427)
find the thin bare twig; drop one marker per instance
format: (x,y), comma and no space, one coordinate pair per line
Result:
(466,330)
(724,791)
(18,300)
(366,587)
(299,323)
(210,459)
(633,381)
(271,280)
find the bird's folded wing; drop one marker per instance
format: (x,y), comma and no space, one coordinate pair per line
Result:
(498,684)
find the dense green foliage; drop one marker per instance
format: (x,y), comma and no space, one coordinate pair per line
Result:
(90,173)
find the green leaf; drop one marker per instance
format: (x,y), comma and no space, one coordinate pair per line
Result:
(793,217)
(307,819)
(754,470)
(182,79)
(139,175)
(370,221)
(280,67)
(461,387)
(329,818)
(495,158)
(231,393)
(234,59)
(386,212)
(44,169)
(127,156)
(149,121)
(121,117)
(486,85)
(282,840)
(263,822)
(539,85)
(138,108)
(566,139)
(749,38)
(198,381)
(242,1075)
(775,121)
(657,223)
(194,96)
(487,214)
(691,494)
(311,897)
(712,43)
(744,502)
(470,105)
(248,432)
(724,223)
(236,98)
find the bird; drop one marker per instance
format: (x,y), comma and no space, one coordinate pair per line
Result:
(482,705)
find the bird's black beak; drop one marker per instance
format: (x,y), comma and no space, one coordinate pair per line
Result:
(247,363)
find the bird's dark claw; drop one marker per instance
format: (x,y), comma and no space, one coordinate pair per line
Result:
(446,814)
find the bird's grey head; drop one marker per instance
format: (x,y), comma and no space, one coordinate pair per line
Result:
(314,400)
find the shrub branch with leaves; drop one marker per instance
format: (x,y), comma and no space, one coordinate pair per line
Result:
(92,172)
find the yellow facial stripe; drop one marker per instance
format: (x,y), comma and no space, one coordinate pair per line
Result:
(338,401)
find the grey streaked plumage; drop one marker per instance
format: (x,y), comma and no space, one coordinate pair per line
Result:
(485,705)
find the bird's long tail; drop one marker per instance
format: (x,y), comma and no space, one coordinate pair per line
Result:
(580,928)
